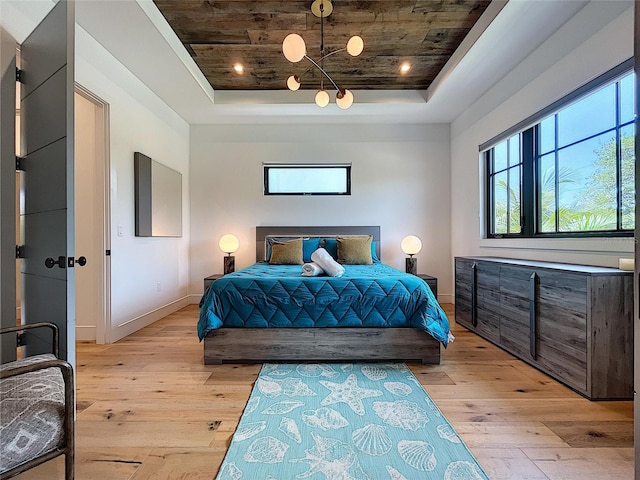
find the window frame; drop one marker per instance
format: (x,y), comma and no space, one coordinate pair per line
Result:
(528,130)
(266,167)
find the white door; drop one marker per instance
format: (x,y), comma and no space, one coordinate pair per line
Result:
(90,214)
(47,221)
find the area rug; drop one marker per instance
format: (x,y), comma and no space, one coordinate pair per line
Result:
(357,421)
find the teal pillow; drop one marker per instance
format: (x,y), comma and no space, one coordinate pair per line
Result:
(331,246)
(374,255)
(309,245)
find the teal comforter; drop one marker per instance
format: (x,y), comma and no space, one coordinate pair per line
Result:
(266,296)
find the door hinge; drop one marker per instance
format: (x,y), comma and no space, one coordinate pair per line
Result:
(19,75)
(20,251)
(20,164)
(21,339)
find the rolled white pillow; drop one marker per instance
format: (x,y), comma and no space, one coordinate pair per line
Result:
(327,263)
(311,270)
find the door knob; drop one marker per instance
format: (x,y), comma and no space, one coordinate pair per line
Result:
(50,262)
(71,261)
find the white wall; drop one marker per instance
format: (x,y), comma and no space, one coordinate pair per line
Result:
(149,276)
(591,43)
(400,181)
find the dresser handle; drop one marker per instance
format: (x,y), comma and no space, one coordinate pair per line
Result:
(474,303)
(532,316)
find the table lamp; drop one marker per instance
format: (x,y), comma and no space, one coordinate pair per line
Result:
(411,245)
(229,243)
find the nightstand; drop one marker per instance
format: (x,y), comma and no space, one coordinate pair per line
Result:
(210,279)
(431,281)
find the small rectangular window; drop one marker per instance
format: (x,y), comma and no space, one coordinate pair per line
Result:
(307,179)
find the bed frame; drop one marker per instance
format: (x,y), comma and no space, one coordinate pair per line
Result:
(347,344)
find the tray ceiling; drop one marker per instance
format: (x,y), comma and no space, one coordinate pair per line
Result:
(220,34)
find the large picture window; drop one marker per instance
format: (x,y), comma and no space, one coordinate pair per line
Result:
(570,172)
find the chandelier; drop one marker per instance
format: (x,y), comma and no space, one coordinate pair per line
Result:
(295,49)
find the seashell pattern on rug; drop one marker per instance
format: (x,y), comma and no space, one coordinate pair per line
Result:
(372,440)
(266,450)
(249,430)
(289,427)
(398,388)
(402,414)
(344,421)
(447,432)
(285,406)
(420,455)
(373,372)
(462,470)
(324,418)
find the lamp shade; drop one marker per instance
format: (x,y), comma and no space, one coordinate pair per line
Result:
(294,48)
(355,45)
(411,245)
(229,243)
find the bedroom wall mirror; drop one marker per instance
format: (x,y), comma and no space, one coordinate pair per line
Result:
(158,198)
(307,179)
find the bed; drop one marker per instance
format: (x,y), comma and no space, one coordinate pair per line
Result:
(270,313)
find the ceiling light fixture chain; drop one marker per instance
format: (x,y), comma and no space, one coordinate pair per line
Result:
(295,49)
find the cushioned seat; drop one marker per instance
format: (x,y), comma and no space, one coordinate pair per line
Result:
(32,406)
(36,411)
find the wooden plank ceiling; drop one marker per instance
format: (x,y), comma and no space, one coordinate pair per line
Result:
(220,34)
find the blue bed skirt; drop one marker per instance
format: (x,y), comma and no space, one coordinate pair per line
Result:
(268,296)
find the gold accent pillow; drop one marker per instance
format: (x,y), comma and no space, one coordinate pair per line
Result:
(355,250)
(286,253)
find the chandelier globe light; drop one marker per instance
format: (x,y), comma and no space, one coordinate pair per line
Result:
(322,98)
(293,82)
(355,46)
(295,49)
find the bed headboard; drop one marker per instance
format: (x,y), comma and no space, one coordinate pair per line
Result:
(291,231)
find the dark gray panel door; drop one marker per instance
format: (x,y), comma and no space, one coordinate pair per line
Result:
(46,111)
(7,193)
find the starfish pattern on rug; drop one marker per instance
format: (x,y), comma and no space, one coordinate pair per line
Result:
(333,459)
(348,392)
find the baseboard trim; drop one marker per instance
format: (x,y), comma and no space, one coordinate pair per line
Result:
(194,298)
(446,298)
(86,332)
(135,324)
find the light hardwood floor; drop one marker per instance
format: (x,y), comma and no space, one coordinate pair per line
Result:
(148,409)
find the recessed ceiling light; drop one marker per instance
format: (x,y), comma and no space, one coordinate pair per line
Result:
(405,67)
(238,68)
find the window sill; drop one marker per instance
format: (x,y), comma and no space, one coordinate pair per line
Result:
(600,245)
